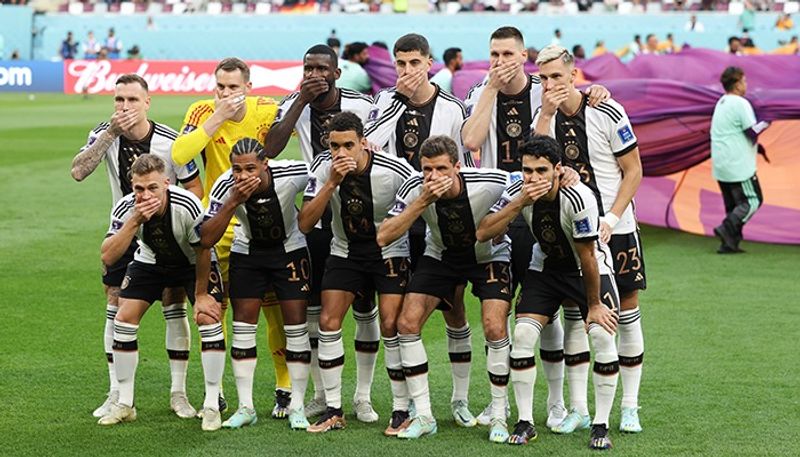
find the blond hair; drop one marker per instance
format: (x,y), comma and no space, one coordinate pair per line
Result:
(553,52)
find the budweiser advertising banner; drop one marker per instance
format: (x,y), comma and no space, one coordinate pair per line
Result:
(188,77)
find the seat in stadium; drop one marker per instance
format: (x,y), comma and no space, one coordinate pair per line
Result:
(791,7)
(75,8)
(263,8)
(214,8)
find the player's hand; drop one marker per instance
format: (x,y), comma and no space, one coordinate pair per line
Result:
(602,316)
(120,122)
(569,178)
(311,88)
(534,190)
(242,190)
(553,98)
(227,107)
(597,94)
(206,304)
(143,210)
(342,165)
(410,82)
(372,147)
(433,189)
(605,231)
(502,73)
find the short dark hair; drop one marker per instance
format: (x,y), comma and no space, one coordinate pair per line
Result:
(507,32)
(730,76)
(354,48)
(248,146)
(412,42)
(346,122)
(323,50)
(539,146)
(732,39)
(450,54)
(232,64)
(439,145)
(650,35)
(334,42)
(380,44)
(146,164)
(131,78)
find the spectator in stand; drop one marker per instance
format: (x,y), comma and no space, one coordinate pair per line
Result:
(380,44)
(453,61)
(90,47)
(151,25)
(578,52)
(353,74)
(747,21)
(747,42)
(134,53)
(694,25)
(533,54)
(789,48)
(68,48)
(668,46)
(334,43)
(113,45)
(556,41)
(784,22)
(651,45)
(599,48)
(735,46)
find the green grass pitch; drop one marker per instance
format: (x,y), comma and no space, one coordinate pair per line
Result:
(720,379)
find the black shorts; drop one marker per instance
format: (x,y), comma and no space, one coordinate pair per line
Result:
(288,275)
(416,243)
(522,242)
(115,273)
(490,281)
(147,282)
(628,262)
(386,276)
(319,248)
(543,293)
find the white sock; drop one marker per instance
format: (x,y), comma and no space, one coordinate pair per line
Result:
(368,336)
(551,353)
(576,359)
(212,356)
(606,371)
(397,380)
(126,359)
(298,358)
(415,369)
(331,365)
(459,346)
(497,366)
(523,365)
(631,356)
(108,345)
(178,341)
(243,361)
(312,314)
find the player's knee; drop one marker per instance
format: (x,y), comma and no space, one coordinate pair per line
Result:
(407,325)
(205,319)
(494,329)
(329,323)
(389,326)
(524,337)
(603,343)
(629,300)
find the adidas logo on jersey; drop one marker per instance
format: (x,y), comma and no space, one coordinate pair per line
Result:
(639,277)
(220,140)
(513,112)
(305,288)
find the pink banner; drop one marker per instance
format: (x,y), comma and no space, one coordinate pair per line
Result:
(189,77)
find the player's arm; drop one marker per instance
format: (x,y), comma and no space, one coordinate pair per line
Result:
(383,117)
(598,312)
(502,213)
(123,229)
(631,166)
(316,197)
(192,139)
(476,127)
(278,135)
(401,217)
(90,156)
(314,207)
(220,211)
(544,121)
(194,186)
(204,304)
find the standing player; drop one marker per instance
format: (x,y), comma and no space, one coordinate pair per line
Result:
(268,252)
(308,112)
(404,117)
(452,200)
(568,263)
(211,128)
(500,111)
(126,136)
(165,218)
(359,185)
(599,142)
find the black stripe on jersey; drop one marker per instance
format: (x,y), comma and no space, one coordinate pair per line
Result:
(451,98)
(472,89)
(100,127)
(535,79)
(164,131)
(222,188)
(318,160)
(194,209)
(349,93)
(284,175)
(609,111)
(291,169)
(515,188)
(288,98)
(405,173)
(479,177)
(386,116)
(408,186)
(627,150)
(123,208)
(612,108)
(574,198)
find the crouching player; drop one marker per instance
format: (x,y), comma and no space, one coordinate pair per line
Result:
(268,253)
(568,263)
(165,220)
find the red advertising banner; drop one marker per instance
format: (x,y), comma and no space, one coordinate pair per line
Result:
(177,77)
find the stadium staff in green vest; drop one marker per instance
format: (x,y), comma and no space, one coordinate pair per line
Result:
(734,146)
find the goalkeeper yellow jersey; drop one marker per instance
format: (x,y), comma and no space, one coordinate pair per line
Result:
(216,150)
